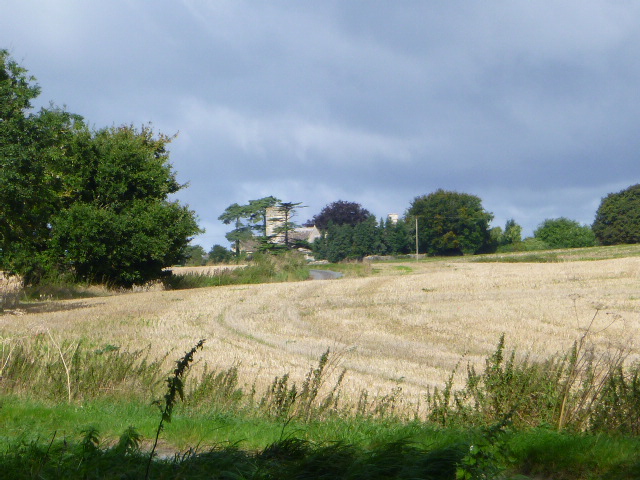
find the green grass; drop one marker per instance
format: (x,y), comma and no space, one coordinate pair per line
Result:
(539,257)
(404,269)
(562,255)
(288,432)
(349,269)
(549,454)
(248,444)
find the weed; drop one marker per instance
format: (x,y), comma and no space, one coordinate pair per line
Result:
(488,455)
(175,388)
(283,399)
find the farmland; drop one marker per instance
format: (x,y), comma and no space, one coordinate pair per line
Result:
(406,325)
(395,331)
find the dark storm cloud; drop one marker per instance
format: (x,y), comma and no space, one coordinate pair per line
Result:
(532,106)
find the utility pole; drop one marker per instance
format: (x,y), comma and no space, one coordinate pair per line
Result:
(416,238)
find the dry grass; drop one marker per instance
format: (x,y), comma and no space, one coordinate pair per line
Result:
(204,270)
(10,290)
(392,329)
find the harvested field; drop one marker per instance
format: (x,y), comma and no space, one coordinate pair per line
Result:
(406,326)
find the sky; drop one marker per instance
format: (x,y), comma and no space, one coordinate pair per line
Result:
(533,106)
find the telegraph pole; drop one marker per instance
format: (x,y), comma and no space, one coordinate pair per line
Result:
(416,238)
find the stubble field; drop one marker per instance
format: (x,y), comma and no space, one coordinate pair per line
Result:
(408,325)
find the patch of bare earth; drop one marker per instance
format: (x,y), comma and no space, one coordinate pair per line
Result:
(390,330)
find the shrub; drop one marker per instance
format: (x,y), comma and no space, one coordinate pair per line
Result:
(564,233)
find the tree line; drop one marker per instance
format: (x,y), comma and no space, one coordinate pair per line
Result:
(94,205)
(452,223)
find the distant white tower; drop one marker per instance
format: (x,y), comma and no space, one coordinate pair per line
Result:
(393,217)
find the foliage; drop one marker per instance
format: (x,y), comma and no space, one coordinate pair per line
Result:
(570,391)
(283,221)
(346,242)
(93,203)
(512,233)
(529,244)
(126,248)
(618,217)
(507,240)
(237,214)
(564,233)
(219,254)
(194,256)
(488,454)
(265,267)
(340,213)
(258,212)
(175,389)
(254,217)
(451,223)
(30,189)
(371,450)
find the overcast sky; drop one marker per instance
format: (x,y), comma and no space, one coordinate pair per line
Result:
(534,106)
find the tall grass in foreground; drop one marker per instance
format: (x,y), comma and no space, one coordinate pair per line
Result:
(581,390)
(506,394)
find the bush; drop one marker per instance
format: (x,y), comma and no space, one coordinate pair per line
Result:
(564,233)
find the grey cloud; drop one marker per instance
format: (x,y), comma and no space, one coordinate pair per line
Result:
(532,106)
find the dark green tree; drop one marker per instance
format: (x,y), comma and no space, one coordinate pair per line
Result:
(237,215)
(335,244)
(194,256)
(450,223)
(117,224)
(283,221)
(31,145)
(512,233)
(564,233)
(367,239)
(219,254)
(618,217)
(125,247)
(93,204)
(258,213)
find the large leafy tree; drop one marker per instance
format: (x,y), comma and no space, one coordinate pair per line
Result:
(512,233)
(565,233)
(618,217)
(219,254)
(451,223)
(340,213)
(91,203)
(31,145)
